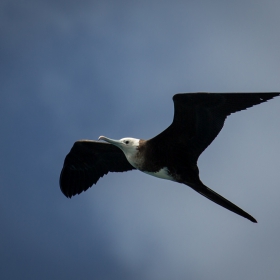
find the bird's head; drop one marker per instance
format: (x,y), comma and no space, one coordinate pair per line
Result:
(128,145)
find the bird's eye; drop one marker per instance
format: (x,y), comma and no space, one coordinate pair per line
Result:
(126,142)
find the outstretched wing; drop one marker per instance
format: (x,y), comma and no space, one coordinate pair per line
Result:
(86,162)
(199,117)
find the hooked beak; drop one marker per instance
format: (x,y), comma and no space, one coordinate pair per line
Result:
(111,141)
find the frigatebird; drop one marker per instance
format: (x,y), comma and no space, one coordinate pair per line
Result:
(172,154)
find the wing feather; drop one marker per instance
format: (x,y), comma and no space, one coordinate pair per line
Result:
(198,119)
(88,161)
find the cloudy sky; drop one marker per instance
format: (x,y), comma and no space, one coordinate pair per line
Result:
(80,69)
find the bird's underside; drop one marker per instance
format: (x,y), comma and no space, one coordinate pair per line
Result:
(173,154)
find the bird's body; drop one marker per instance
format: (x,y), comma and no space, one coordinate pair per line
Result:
(171,155)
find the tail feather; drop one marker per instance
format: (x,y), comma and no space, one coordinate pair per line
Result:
(215,197)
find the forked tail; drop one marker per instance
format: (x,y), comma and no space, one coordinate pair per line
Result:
(215,197)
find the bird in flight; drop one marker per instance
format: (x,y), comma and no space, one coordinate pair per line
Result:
(172,154)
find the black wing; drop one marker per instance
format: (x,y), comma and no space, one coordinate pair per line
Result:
(199,117)
(86,162)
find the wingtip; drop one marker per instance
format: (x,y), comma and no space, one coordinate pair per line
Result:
(63,190)
(67,196)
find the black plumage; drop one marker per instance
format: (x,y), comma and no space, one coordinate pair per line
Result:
(86,162)
(198,119)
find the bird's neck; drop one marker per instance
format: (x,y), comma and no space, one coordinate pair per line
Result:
(133,155)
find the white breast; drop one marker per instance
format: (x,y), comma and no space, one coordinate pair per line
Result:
(162,173)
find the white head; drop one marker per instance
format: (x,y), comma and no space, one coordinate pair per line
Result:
(127,145)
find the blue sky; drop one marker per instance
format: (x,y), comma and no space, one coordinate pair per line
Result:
(80,69)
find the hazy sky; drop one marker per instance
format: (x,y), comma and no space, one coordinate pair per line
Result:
(72,70)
